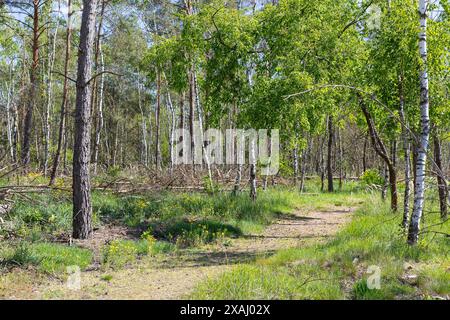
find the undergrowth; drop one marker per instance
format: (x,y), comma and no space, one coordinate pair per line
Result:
(345,267)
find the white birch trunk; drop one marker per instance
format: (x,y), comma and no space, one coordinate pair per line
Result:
(144,153)
(200,120)
(419,191)
(172,130)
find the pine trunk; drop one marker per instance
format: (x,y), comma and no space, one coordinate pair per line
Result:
(82,208)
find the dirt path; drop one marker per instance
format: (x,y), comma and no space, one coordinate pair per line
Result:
(176,276)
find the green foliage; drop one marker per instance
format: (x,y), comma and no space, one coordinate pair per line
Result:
(22,255)
(187,233)
(372,177)
(119,253)
(39,216)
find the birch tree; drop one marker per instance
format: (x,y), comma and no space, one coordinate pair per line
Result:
(422,147)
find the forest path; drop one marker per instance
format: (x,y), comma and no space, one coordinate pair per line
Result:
(176,276)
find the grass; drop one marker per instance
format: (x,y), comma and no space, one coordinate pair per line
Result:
(337,269)
(173,219)
(46,257)
(186,220)
(341,268)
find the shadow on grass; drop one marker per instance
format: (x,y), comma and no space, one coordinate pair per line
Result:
(202,258)
(291,217)
(172,229)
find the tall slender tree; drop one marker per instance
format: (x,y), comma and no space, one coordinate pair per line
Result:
(62,118)
(422,145)
(82,208)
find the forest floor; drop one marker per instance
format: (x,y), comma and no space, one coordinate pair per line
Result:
(176,276)
(172,245)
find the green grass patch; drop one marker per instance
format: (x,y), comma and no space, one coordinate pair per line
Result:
(47,257)
(341,268)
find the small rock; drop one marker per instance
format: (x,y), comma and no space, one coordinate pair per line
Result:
(355,261)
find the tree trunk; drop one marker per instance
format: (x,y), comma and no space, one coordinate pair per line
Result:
(172,130)
(237,182)
(28,123)
(322,164)
(10,118)
(82,209)
(62,118)
(158,121)
(364,159)
(266,176)
(144,151)
(252,171)
(51,56)
(200,121)
(380,149)
(422,148)
(191,114)
(329,155)
(99,119)
(295,156)
(181,125)
(386,182)
(442,184)
(341,161)
(305,157)
(406,150)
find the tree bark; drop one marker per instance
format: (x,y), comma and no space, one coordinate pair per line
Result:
(191,113)
(253,172)
(28,122)
(407,154)
(341,160)
(158,121)
(380,149)
(364,159)
(200,121)
(48,107)
(99,120)
(62,117)
(237,182)
(144,150)
(329,155)
(442,184)
(295,164)
(82,208)
(322,164)
(422,148)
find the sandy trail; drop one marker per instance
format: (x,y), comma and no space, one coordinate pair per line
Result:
(174,277)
